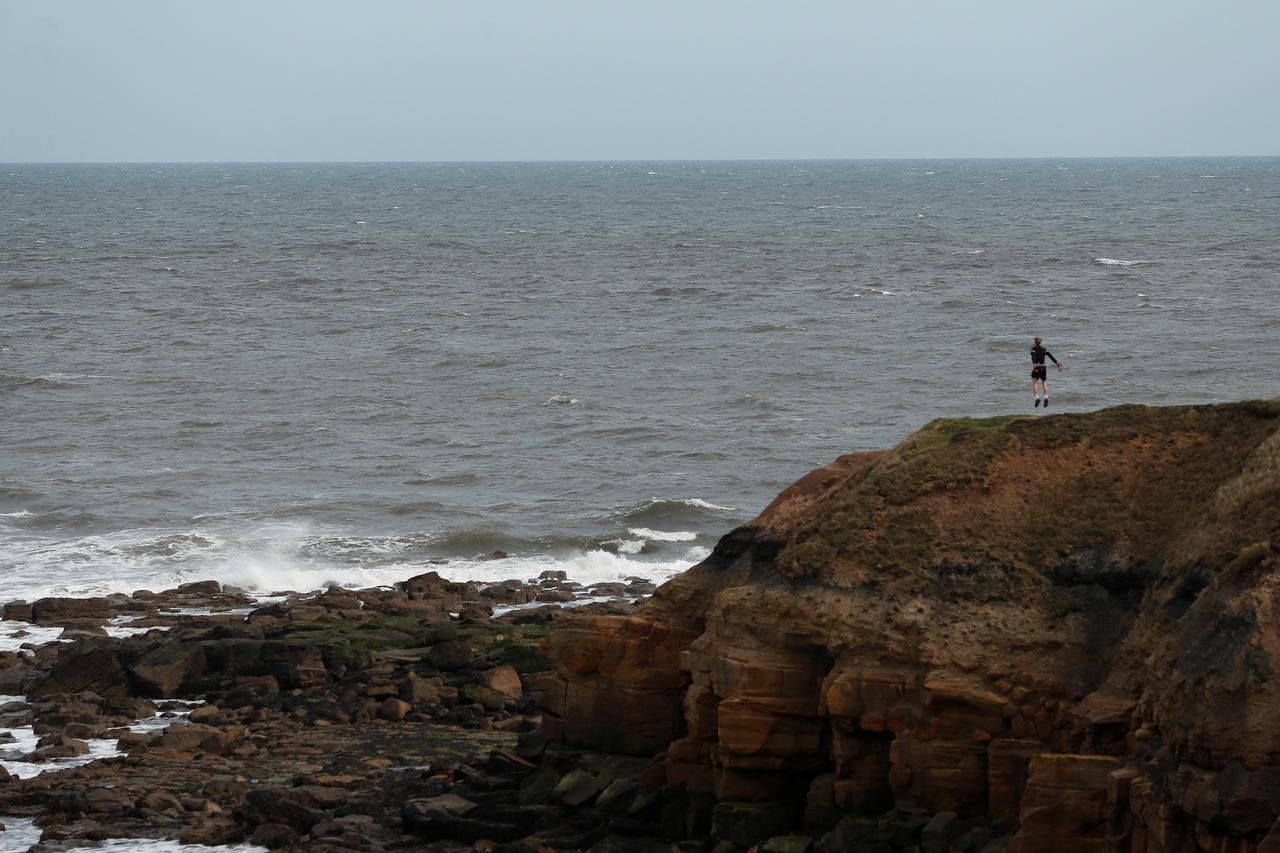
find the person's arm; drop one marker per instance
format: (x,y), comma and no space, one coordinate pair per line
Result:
(1054,360)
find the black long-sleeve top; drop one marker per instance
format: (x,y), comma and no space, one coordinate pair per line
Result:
(1038,355)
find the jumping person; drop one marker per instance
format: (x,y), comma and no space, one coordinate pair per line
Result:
(1040,374)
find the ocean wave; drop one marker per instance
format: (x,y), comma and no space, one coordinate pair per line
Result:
(680,513)
(1115,262)
(12,382)
(299,557)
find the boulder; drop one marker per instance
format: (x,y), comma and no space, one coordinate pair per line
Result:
(208,587)
(88,666)
(106,801)
(47,611)
(417,690)
(537,786)
(14,680)
(453,655)
(18,611)
(504,680)
(163,670)
(436,817)
(939,833)
(273,836)
(394,709)
(747,824)
(576,788)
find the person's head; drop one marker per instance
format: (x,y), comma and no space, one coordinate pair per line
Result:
(1037,342)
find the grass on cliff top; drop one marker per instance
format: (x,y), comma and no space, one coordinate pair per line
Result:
(1030,490)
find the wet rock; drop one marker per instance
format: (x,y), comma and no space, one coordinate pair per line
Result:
(14,679)
(787,844)
(70,635)
(58,747)
(206,587)
(92,665)
(452,655)
(226,789)
(530,746)
(417,690)
(106,801)
(210,715)
(190,738)
(503,680)
(618,796)
(18,611)
(747,824)
(162,801)
(86,731)
(491,700)
(576,788)
(273,836)
(537,787)
(163,670)
(437,816)
(393,709)
(940,832)
(47,611)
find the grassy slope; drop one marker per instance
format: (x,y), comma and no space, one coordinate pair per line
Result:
(1147,486)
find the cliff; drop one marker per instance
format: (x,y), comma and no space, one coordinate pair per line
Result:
(1064,627)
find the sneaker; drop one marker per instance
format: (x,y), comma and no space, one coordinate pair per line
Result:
(1037,402)
(1046,402)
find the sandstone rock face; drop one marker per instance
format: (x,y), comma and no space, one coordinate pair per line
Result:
(1067,628)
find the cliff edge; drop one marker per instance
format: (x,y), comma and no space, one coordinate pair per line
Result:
(1065,627)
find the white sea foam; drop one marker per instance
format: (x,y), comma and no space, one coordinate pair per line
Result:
(586,567)
(25,740)
(1115,262)
(21,833)
(701,504)
(293,558)
(14,634)
(663,535)
(627,546)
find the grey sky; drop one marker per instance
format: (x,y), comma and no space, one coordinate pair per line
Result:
(598,79)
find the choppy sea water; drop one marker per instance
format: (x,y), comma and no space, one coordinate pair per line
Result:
(286,375)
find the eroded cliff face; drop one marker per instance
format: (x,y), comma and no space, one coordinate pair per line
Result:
(1064,625)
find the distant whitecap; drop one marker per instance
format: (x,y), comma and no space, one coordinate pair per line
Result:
(1116,262)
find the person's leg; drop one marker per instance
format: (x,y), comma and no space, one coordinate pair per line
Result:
(1044,383)
(1035,389)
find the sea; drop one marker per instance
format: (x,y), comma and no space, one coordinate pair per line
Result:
(285,376)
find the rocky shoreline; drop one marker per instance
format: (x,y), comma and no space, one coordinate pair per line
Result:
(378,719)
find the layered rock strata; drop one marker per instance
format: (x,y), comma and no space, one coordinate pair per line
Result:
(1064,629)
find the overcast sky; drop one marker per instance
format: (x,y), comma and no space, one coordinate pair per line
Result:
(271,80)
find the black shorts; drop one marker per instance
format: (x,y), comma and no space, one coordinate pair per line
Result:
(1038,371)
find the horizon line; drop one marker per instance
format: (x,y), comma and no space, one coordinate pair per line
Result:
(319,162)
